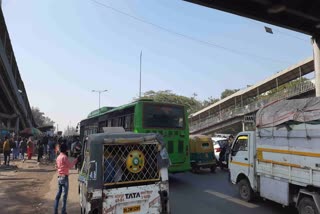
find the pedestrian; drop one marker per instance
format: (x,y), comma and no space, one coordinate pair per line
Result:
(51,149)
(23,148)
(40,150)
(6,151)
(29,148)
(15,149)
(63,165)
(45,144)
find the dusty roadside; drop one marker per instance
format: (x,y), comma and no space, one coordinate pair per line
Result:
(30,189)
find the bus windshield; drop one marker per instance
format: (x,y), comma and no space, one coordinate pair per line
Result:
(163,116)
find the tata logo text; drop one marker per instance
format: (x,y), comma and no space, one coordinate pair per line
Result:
(132,195)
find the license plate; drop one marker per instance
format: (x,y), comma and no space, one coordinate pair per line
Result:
(131,209)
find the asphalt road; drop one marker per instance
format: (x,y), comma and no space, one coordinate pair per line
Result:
(207,192)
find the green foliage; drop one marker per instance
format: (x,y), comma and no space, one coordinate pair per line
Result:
(40,118)
(168,96)
(228,92)
(210,101)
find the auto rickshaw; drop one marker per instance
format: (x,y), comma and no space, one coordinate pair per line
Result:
(124,172)
(202,153)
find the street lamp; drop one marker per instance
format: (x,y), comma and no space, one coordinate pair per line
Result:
(99,91)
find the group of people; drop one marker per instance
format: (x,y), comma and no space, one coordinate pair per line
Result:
(17,148)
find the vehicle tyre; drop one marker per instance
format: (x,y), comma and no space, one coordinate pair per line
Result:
(245,190)
(221,166)
(213,169)
(194,169)
(307,206)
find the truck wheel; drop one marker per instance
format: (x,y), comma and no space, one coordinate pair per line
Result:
(245,190)
(307,206)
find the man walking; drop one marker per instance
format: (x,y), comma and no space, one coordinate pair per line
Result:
(23,147)
(6,151)
(63,165)
(40,150)
(15,149)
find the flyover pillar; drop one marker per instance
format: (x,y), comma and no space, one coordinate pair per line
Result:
(316,57)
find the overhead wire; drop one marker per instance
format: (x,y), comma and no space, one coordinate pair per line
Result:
(275,30)
(234,51)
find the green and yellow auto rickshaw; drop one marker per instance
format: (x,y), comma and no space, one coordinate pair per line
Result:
(202,153)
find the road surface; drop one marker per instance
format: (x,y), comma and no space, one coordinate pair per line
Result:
(31,189)
(212,193)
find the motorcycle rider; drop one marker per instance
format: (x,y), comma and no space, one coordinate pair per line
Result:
(225,151)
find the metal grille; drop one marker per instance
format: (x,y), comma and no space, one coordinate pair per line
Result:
(115,169)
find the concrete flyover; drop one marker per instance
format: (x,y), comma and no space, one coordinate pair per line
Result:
(232,113)
(15,111)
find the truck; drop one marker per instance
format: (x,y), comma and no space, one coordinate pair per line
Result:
(280,159)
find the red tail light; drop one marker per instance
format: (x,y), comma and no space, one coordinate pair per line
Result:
(218,149)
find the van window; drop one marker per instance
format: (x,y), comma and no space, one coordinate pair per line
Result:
(241,144)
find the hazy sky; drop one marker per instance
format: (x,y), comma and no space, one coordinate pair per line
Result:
(66,48)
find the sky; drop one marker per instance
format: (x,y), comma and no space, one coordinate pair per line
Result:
(66,49)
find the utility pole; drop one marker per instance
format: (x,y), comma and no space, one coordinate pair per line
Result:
(99,91)
(140,74)
(316,59)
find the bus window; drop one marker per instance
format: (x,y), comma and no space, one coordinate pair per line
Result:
(127,124)
(163,116)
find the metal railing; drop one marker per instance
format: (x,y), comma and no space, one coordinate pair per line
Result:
(236,111)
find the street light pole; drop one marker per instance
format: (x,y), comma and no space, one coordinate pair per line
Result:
(140,75)
(316,59)
(99,91)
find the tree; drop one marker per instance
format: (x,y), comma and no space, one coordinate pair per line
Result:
(167,96)
(228,92)
(40,118)
(209,102)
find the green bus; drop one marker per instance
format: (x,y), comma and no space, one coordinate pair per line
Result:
(147,116)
